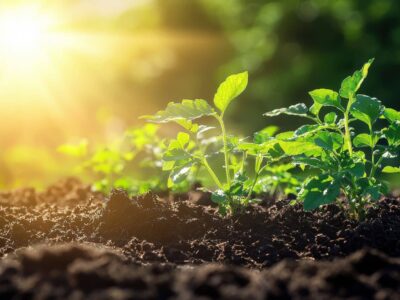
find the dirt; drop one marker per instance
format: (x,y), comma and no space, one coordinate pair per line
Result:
(179,247)
(75,271)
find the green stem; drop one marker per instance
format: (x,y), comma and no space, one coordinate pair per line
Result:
(252,187)
(371,132)
(258,170)
(244,156)
(375,167)
(212,173)
(346,125)
(226,151)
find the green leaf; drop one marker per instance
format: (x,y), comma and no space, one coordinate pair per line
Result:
(188,125)
(374,192)
(363,140)
(392,115)
(265,134)
(254,149)
(315,108)
(168,165)
(390,169)
(177,148)
(330,118)
(311,162)
(319,191)
(285,135)
(297,148)
(392,134)
(219,197)
(231,88)
(357,170)
(187,109)
(177,175)
(326,97)
(351,84)
(367,109)
(176,154)
(183,138)
(299,109)
(328,140)
(302,130)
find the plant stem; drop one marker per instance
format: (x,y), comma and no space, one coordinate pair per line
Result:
(252,187)
(375,167)
(243,161)
(226,152)
(212,173)
(258,170)
(346,125)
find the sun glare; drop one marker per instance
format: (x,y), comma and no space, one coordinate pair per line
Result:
(24,32)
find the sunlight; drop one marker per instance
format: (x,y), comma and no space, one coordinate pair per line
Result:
(24,33)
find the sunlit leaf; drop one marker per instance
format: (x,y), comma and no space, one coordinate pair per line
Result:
(188,125)
(363,140)
(352,83)
(178,175)
(311,162)
(392,115)
(183,138)
(367,109)
(231,88)
(306,129)
(326,97)
(297,148)
(392,134)
(299,109)
(330,118)
(315,108)
(390,169)
(265,134)
(187,109)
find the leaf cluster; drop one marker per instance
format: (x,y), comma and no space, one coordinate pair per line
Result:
(352,138)
(248,165)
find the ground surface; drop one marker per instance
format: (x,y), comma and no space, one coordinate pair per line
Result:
(179,247)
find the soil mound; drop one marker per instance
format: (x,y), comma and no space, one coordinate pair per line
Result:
(75,271)
(178,230)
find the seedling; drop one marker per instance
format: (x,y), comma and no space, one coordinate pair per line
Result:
(132,162)
(188,150)
(191,150)
(347,159)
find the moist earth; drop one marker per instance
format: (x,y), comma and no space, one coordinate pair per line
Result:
(85,245)
(75,271)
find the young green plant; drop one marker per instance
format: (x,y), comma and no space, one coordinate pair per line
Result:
(191,149)
(132,162)
(346,159)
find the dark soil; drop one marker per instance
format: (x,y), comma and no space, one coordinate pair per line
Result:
(89,272)
(157,242)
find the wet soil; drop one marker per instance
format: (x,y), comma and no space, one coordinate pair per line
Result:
(160,247)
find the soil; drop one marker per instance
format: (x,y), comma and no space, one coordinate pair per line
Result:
(84,245)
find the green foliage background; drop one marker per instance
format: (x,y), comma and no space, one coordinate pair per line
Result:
(294,46)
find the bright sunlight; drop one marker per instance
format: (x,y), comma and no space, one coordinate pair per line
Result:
(24,33)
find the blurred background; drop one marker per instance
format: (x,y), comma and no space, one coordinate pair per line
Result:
(89,68)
